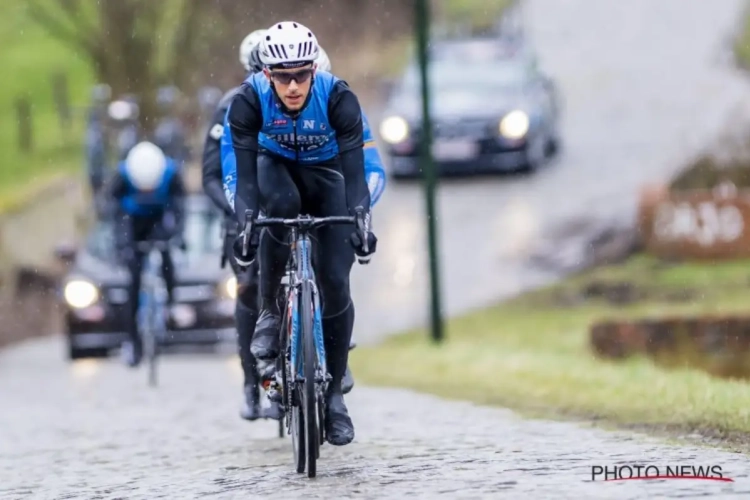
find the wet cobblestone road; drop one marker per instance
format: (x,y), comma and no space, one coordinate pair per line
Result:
(98,432)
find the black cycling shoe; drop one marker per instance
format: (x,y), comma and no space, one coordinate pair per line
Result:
(251,405)
(266,369)
(132,352)
(265,344)
(347,383)
(273,411)
(339,427)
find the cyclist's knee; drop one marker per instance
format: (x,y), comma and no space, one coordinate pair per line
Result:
(247,286)
(336,293)
(247,296)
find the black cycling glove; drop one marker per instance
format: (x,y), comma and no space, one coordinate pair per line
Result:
(245,259)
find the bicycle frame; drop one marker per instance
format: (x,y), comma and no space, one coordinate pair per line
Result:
(151,298)
(303,271)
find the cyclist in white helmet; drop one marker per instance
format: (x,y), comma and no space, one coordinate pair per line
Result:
(298,140)
(149,190)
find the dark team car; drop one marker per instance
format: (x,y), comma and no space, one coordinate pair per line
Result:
(492,110)
(94,291)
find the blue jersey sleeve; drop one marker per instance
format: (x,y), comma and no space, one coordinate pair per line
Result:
(374,171)
(228,162)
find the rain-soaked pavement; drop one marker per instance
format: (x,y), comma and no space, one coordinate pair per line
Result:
(645,84)
(98,431)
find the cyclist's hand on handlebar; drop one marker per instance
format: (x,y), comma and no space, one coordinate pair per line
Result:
(364,255)
(245,259)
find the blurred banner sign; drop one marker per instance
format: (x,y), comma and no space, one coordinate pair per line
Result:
(695,224)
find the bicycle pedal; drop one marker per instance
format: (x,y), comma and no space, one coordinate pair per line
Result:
(275,396)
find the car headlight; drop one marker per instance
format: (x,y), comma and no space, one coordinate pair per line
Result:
(230,287)
(394,129)
(514,125)
(80,294)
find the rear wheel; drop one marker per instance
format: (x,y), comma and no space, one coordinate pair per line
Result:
(309,399)
(282,366)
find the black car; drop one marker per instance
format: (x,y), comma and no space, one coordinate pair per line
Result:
(94,291)
(492,110)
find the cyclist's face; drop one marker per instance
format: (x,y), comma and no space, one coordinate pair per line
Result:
(292,85)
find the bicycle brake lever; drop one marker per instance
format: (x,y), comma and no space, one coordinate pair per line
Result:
(361,227)
(247,231)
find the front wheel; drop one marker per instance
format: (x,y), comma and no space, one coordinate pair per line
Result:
(309,399)
(298,438)
(151,344)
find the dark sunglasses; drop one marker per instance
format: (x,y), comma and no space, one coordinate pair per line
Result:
(285,78)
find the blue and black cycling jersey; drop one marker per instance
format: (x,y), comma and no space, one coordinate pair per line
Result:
(307,139)
(135,202)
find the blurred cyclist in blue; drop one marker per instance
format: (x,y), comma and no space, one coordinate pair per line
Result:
(149,192)
(374,176)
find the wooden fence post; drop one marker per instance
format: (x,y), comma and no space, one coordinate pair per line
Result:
(25,129)
(62,100)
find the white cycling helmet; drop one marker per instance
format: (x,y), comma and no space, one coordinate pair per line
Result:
(247,45)
(324,63)
(145,166)
(289,44)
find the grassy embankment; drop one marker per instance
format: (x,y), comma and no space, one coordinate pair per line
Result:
(30,57)
(532,353)
(742,42)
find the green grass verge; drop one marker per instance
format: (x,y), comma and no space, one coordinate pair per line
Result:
(479,14)
(532,353)
(31,57)
(742,42)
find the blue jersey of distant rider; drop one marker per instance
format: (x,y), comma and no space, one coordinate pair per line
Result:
(140,203)
(307,138)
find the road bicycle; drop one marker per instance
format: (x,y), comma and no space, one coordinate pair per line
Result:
(152,311)
(302,377)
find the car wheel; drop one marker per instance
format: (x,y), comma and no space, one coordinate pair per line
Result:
(552,147)
(535,157)
(75,353)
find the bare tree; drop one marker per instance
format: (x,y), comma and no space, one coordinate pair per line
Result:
(133,45)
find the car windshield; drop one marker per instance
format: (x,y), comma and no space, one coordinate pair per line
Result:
(202,236)
(448,77)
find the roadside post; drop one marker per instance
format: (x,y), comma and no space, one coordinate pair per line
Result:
(422,18)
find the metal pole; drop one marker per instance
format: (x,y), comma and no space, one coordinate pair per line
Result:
(428,170)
